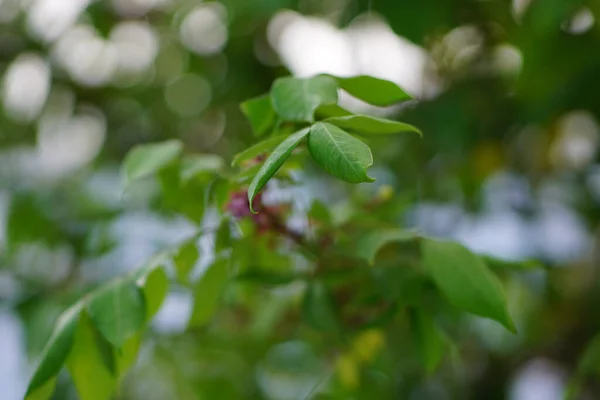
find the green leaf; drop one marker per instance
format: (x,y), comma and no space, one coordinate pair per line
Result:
(318,308)
(118,311)
(185,259)
(339,153)
(256,150)
(588,365)
(273,163)
(369,244)
(429,341)
(260,113)
(466,281)
(297,99)
(146,159)
(267,276)
(208,292)
(500,264)
(371,125)
(375,91)
(154,283)
(87,365)
(223,236)
(126,356)
(54,355)
(331,110)
(197,164)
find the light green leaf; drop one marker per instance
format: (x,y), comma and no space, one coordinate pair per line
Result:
(378,92)
(341,154)
(223,236)
(208,292)
(154,283)
(185,259)
(256,150)
(125,356)
(54,355)
(260,113)
(429,341)
(371,125)
(318,308)
(465,280)
(146,159)
(369,244)
(196,164)
(87,365)
(273,163)
(509,265)
(118,311)
(297,99)
(331,110)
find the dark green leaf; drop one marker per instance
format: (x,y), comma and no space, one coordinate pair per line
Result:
(466,281)
(223,235)
(54,355)
(118,311)
(369,244)
(378,92)
(318,308)
(208,292)
(185,259)
(339,153)
(587,366)
(146,159)
(429,341)
(91,376)
(297,99)
(371,125)
(273,163)
(267,276)
(260,148)
(260,113)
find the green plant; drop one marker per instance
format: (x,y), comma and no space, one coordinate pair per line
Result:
(352,278)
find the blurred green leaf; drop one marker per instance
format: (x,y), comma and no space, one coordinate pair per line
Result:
(587,366)
(126,356)
(318,308)
(500,264)
(339,153)
(267,276)
(369,244)
(146,159)
(196,164)
(297,99)
(466,281)
(260,113)
(273,163)
(371,125)
(185,259)
(319,212)
(208,291)
(223,238)
(331,110)
(378,92)
(429,341)
(27,221)
(118,311)
(256,150)
(87,366)
(154,283)
(54,355)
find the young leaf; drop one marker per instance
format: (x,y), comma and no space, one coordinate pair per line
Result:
(208,292)
(87,365)
(256,150)
(118,311)
(369,244)
(54,355)
(429,341)
(339,153)
(318,309)
(155,284)
(297,99)
(466,281)
(185,259)
(146,159)
(375,91)
(371,125)
(260,113)
(273,163)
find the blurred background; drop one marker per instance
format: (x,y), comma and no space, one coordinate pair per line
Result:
(507,98)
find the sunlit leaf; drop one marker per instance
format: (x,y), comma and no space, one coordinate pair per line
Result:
(297,99)
(146,159)
(369,244)
(339,153)
(378,92)
(118,311)
(260,113)
(318,308)
(465,280)
(185,259)
(273,163)
(371,125)
(256,150)
(208,291)
(429,341)
(54,355)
